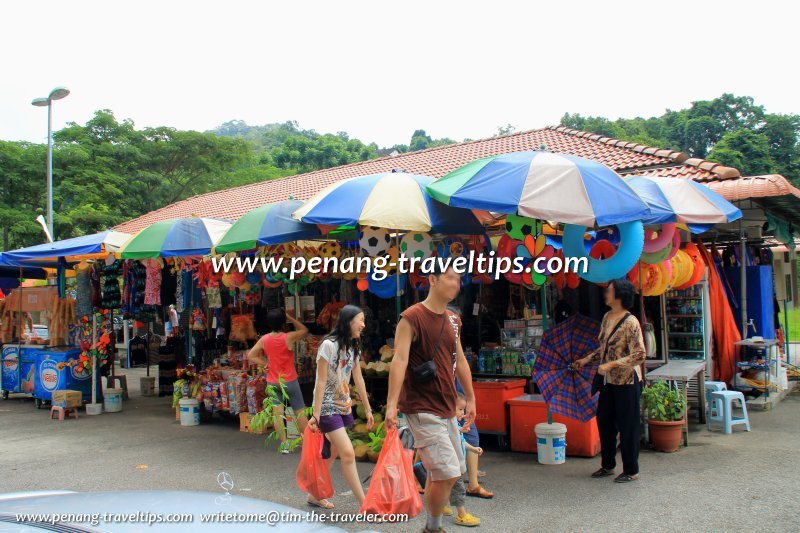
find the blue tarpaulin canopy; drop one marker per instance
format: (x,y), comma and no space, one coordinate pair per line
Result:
(47,254)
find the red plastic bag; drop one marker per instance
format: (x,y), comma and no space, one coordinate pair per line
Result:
(313,476)
(393,489)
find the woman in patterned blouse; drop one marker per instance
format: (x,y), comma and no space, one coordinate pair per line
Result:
(620,354)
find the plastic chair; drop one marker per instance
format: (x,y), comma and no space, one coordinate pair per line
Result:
(726,418)
(713,406)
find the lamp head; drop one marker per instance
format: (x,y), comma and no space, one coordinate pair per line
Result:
(58,93)
(41,102)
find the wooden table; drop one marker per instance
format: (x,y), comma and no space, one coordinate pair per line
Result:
(683,372)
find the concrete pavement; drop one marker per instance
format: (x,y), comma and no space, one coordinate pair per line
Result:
(721,482)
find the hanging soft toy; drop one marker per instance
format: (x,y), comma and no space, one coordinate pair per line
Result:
(416,244)
(349,255)
(507,247)
(330,249)
(418,281)
(518,227)
(198,320)
(387,287)
(362,283)
(481,245)
(564,277)
(373,241)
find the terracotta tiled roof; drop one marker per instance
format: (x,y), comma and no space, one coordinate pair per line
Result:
(771,185)
(624,157)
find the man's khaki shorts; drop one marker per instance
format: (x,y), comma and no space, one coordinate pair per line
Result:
(438,441)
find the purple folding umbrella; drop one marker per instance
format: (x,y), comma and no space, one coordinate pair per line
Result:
(566,391)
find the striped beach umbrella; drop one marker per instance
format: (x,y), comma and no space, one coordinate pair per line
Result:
(543,185)
(267,225)
(682,201)
(392,200)
(176,237)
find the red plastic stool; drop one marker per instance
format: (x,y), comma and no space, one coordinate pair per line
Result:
(62,412)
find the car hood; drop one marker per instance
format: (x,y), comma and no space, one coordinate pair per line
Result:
(151,504)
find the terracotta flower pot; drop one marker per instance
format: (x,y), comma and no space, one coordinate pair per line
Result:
(665,436)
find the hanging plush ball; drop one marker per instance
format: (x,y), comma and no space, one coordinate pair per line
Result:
(416,244)
(392,264)
(517,227)
(330,249)
(374,241)
(363,283)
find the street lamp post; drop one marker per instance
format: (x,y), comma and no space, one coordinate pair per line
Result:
(56,94)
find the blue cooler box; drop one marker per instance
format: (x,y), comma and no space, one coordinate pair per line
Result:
(56,369)
(18,373)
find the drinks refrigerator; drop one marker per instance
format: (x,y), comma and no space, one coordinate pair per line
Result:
(686,324)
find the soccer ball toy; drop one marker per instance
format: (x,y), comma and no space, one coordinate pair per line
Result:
(416,244)
(330,249)
(373,241)
(517,227)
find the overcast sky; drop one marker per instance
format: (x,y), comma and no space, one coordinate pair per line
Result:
(379,70)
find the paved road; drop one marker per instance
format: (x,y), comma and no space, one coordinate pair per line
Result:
(721,483)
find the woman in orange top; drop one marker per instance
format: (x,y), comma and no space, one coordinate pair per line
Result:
(275,351)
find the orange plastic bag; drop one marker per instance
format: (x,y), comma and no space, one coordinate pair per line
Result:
(393,489)
(313,476)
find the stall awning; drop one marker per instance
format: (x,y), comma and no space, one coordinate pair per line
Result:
(77,248)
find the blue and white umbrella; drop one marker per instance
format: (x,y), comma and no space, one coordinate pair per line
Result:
(543,185)
(392,200)
(176,237)
(683,201)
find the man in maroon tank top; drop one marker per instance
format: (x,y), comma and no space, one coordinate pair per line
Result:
(427,331)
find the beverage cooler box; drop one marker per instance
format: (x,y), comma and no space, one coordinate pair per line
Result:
(41,370)
(19,363)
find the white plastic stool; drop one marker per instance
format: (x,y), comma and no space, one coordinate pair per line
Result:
(713,406)
(726,398)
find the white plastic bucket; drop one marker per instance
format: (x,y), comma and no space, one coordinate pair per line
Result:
(94,408)
(112,400)
(148,386)
(190,412)
(551,443)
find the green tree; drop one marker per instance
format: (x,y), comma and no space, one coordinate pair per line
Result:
(745,150)
(699,130)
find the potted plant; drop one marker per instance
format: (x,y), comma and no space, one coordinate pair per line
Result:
(665,411)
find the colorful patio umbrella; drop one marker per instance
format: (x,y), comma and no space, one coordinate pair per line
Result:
(683,201)
(393,200)
(566,391)
(175,237)
(543,185)
(266,225)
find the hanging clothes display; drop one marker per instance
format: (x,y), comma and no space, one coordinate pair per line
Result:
(179,307)
(214,297)
(126,288)
(110,296)
(94,276)
(168,286)
(83,292)
(152,289)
